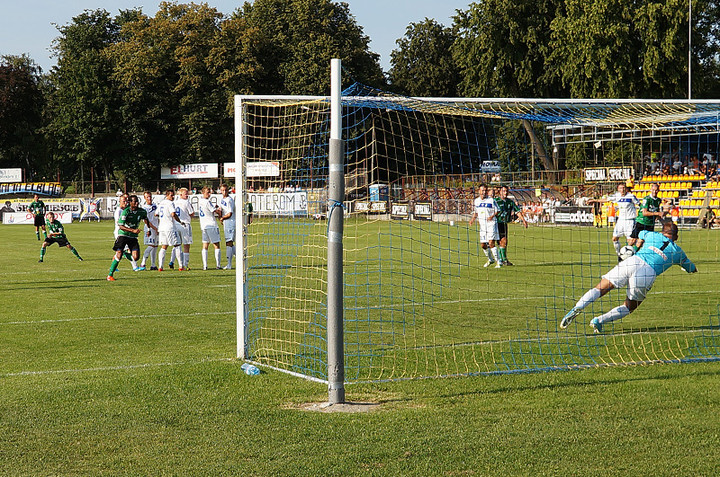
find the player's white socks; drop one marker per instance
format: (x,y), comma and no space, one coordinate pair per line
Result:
(488,254)
(178,256)
(153,256)
(146,254)
(186,259)
(590,296)
(204,254)
(134,263)
(161,257)
(217,257)
(494,254)
(617,247)
(230,251)
(614,314)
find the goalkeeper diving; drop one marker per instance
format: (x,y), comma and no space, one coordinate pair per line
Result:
(658,253)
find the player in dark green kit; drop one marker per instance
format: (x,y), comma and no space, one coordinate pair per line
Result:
(37,208)
(128,231)
(508,209)
(56,234)
(650,209)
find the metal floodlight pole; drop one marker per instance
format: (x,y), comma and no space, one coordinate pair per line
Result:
(336,196)
(689,49)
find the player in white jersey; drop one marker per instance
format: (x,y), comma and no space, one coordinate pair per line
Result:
(485,211)
(151,235)
(122,205)
(625,204)
(167,232)
(210,231)
(185,213)
(227,208)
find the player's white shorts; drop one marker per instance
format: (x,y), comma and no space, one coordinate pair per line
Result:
(211,235)
(229,229)
(168,237)
(624,228)
(151,239)
(488,232)
(634,273)
(185,232)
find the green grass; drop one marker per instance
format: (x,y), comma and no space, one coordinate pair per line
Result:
(419,302)
(137,377)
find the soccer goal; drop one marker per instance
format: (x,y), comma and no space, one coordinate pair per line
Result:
(419,298)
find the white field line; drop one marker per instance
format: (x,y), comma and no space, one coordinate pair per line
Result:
(444,302)
(118,317)
(110,368)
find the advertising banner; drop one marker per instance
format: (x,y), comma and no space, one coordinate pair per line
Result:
(279,203)
(51,205)
(190,171)
(24,218)
(423,211)
(400,210)
(90,209)
(612,174)
(43,188)
(11,175)
(569,215)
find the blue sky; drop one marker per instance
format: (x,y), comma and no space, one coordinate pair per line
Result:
(27,26)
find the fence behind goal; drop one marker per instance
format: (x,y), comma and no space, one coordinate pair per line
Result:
(418,298)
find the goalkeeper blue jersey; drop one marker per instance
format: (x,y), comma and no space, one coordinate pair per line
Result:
(661,253)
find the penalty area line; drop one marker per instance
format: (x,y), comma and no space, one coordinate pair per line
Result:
(119,317)
(111,368)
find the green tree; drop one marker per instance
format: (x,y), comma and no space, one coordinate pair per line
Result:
(302,36)
(502,49)
(423,65)
(619,49)
(84,120)
(174,108)
(21,120)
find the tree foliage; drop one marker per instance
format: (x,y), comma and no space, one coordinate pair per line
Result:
(84,123)
(423,65)
(302,37)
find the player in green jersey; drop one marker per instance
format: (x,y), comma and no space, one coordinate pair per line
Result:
(650,209)
(56,234)
(37,208)
(128,231)
(508,210)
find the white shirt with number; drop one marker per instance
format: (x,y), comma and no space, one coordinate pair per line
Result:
(165,211)
(626,205)
(227,205)
(206,210)
(484,208)
(184,210)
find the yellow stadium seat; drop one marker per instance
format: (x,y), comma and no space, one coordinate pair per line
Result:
(676,194)
(696,212)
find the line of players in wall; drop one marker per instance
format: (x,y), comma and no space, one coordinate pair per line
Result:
(167,226)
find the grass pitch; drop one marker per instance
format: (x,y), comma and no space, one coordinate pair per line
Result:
(137,377)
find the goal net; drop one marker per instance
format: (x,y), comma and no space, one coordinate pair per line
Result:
(419,300)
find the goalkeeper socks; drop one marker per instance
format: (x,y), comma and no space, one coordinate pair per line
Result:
(113,267)
(614,314)
(616,244)
(589,297)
